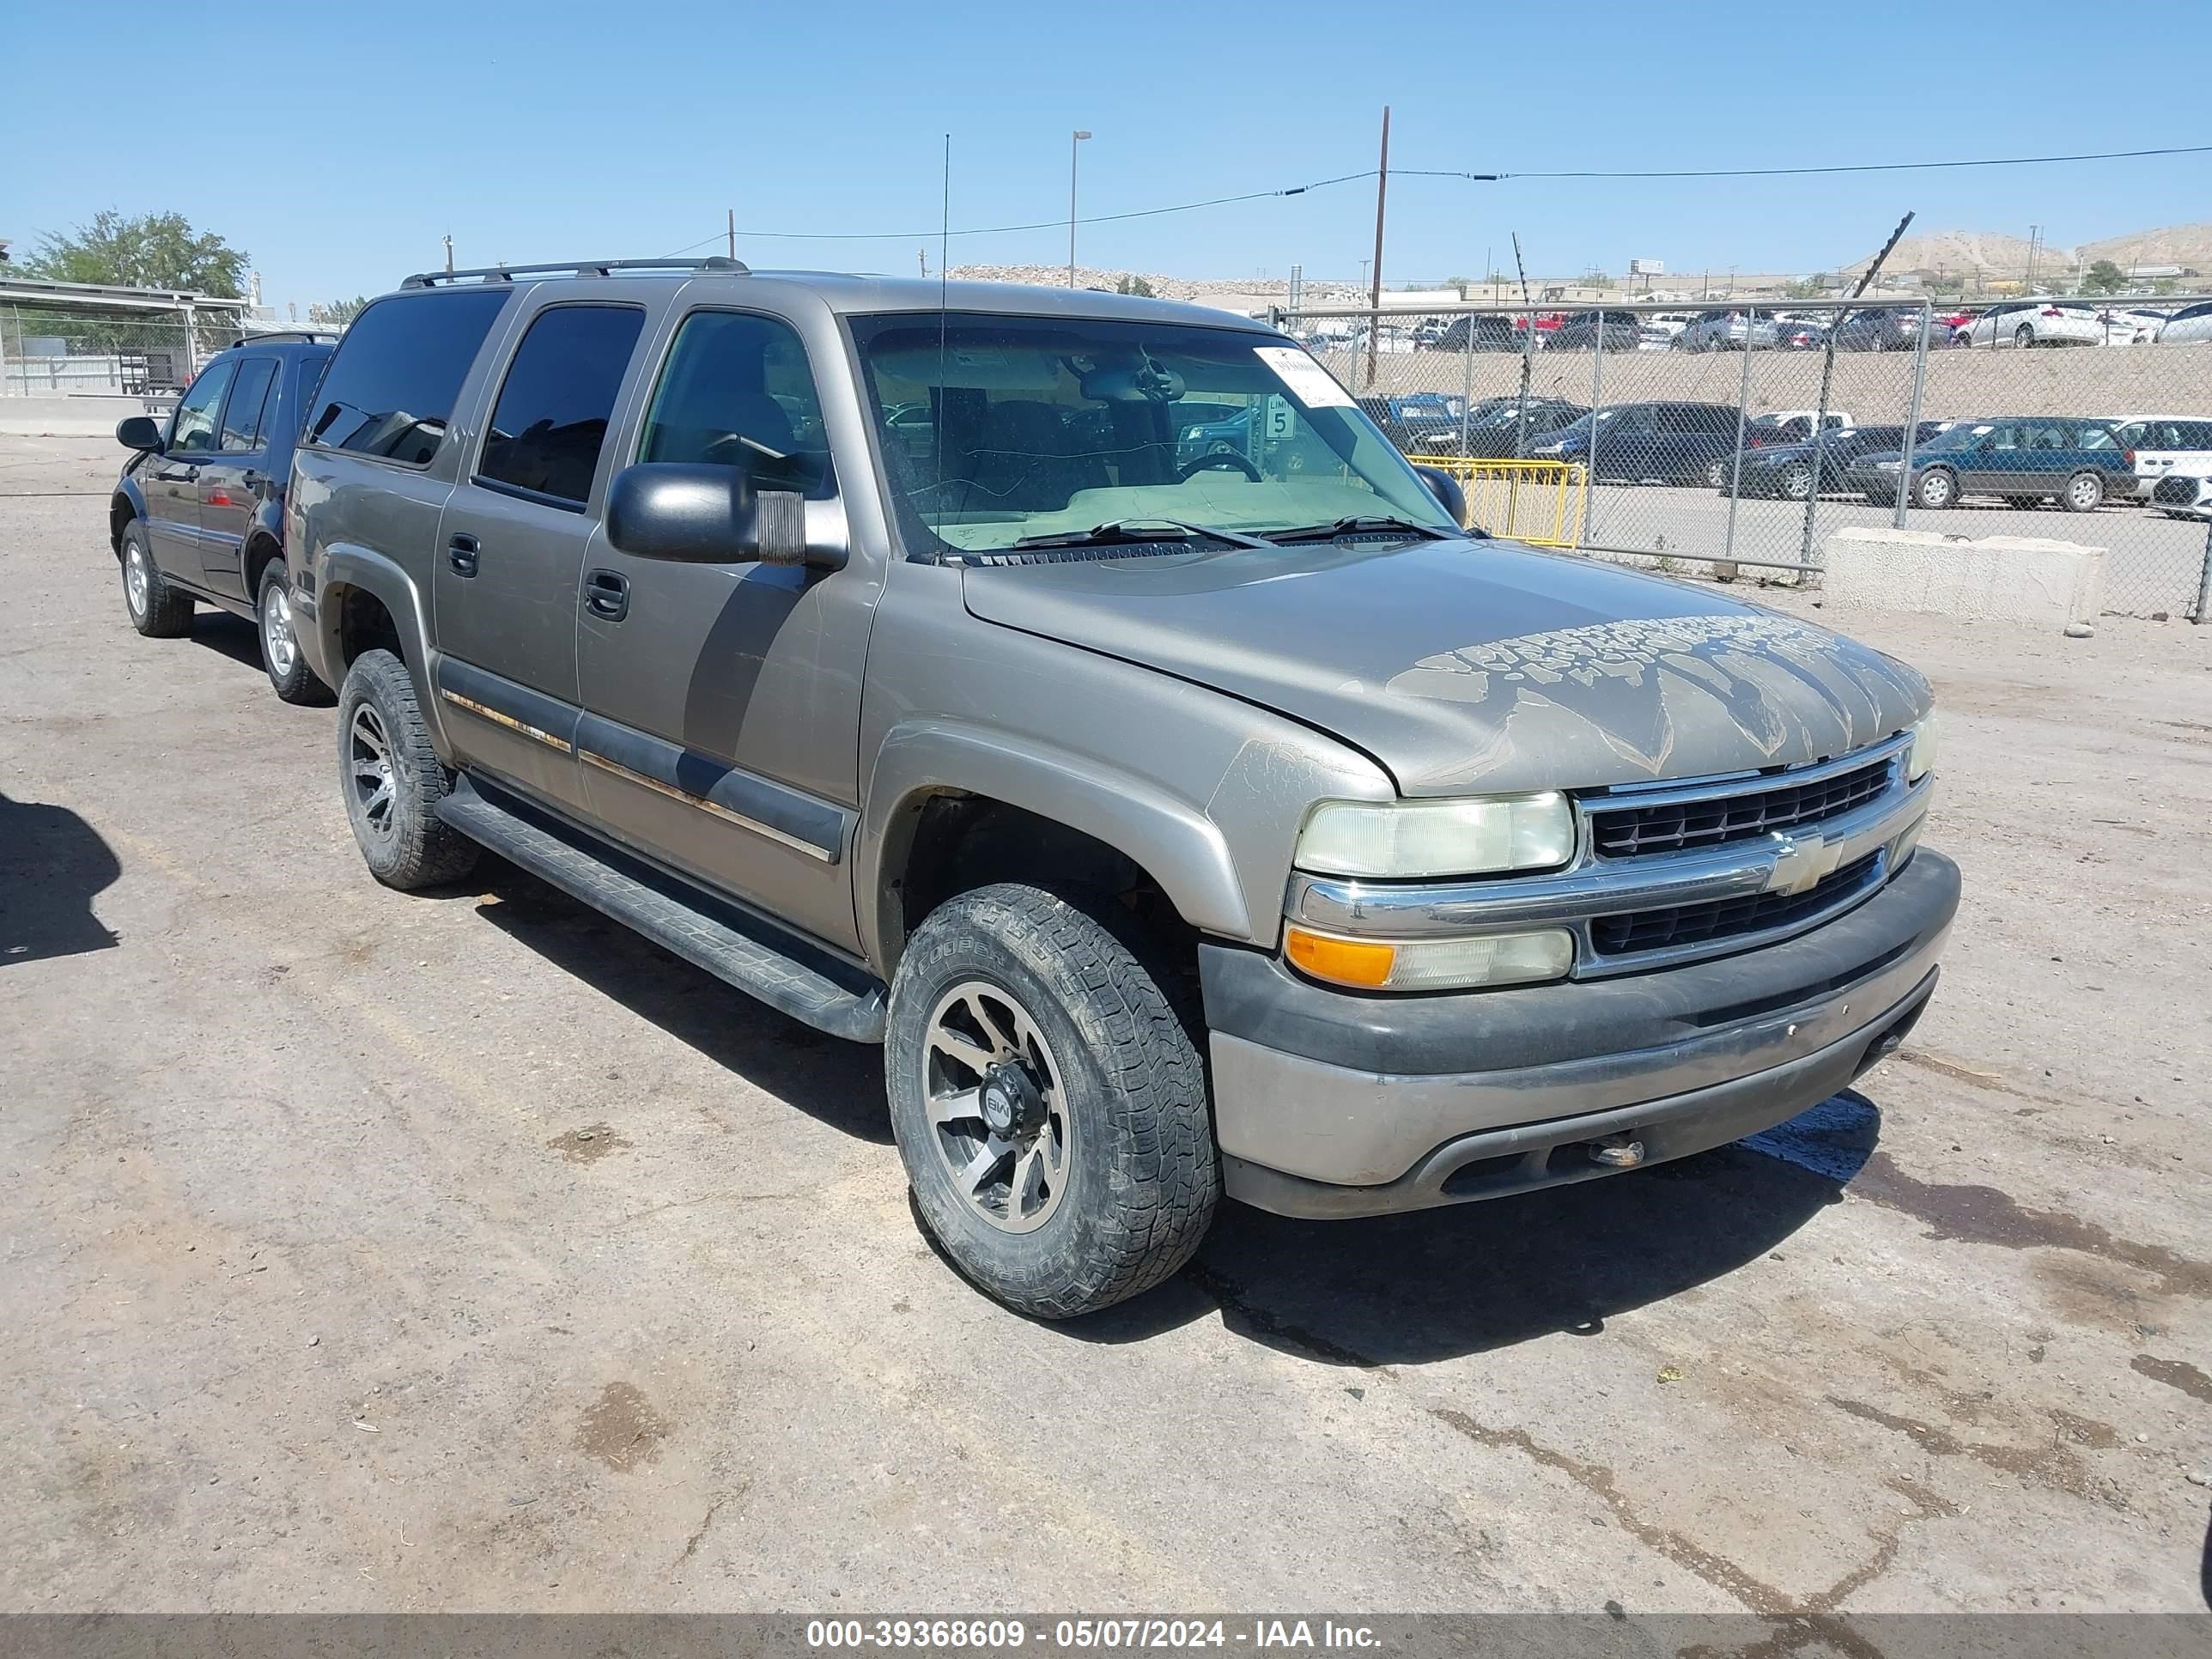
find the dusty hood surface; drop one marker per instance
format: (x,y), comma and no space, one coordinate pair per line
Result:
(1477,665)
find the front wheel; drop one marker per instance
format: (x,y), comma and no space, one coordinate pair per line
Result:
(1936,489)
(296,683)
(2085,492)
(1047,1102)
(2024,335)
(157,610)
(1797,482)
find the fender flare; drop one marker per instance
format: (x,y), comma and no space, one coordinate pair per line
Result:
(346,566)
(129,494)
(267,524)
(1172,839)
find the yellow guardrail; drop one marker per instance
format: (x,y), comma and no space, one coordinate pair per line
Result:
(1540,502)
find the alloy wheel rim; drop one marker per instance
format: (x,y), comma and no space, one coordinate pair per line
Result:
(277,631)
(2084,492)
(1937,489)
(997,1104)
(1799,482)
(369,768)
(134,582)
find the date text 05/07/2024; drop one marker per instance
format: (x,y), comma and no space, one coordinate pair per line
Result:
(1111,1634)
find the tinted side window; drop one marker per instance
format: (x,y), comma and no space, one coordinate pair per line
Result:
(390,390)
(193,429)
(241,415)
(737,392)
(551,418)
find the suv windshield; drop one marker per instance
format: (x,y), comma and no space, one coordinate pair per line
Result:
(998,430)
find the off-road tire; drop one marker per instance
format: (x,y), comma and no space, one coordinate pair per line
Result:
(417,849)
(295,684)
(167,613)
(1143,1177)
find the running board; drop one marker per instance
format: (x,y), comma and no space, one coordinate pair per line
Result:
(824,993)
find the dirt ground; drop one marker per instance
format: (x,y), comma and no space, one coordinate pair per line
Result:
(366,1251)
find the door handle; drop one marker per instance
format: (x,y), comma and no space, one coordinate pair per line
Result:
(461,554)
(606,595)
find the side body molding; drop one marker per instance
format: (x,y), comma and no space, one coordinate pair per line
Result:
(1173,839)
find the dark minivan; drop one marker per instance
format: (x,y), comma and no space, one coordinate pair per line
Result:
(198,515)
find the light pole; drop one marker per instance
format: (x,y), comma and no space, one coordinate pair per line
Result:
(1074,139)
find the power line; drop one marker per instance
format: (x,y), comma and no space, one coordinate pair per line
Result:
(1448,173)
(1851,167)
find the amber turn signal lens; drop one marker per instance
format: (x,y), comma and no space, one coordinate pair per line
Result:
(1346,961)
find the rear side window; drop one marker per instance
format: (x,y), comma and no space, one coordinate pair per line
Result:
(241,415)
(389,390)
(551,419)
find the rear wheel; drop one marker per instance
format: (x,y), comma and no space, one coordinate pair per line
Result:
(157,610)
(296,683)
(1797,481)
(1717,474)
(2084,493)
(1937,489)
(392,780)
(2024,335)
(1047,1102)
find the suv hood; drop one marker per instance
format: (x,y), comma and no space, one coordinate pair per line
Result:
(1486,666)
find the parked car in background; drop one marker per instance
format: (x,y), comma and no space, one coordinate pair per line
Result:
(1790,426)
(2156,445)
(2190,326)
(1499,428)
(1800,334)
(2023,459)
(2145,322)
(1585,331)
(1669,323)
(198,515)
(1481,331)
(1412,419)
(1630,443)
(2183,496)
(1736,330)
(1885,328)
(2042,323)
(1786,470)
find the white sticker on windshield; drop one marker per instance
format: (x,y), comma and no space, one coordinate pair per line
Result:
(1310,383)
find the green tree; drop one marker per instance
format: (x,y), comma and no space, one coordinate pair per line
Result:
(154,250)
(1135,285)
(2104,278)
(338,313)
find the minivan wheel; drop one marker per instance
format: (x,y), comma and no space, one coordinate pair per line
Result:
(2085,492)
(296,683)
(1047,1102)
(1936,489)
(392,780)
(157,610)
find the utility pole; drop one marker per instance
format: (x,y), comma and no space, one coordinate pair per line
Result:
(1374,275)
(1074,141)
(2033,231)
(733,232)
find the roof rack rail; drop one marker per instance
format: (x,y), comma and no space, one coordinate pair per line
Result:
(575,268)
(286,336)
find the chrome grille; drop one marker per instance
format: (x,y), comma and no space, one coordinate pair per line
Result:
(1722,919)
(1760,808)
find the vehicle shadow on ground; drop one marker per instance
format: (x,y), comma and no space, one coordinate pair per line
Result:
(51,864)
(228,636)
(1438,1284)
(839,1082)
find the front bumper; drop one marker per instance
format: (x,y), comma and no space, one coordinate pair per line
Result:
(1332,1103)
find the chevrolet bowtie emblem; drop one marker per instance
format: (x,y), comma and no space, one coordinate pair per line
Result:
(1801,861)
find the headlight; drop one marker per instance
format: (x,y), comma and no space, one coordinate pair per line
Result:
(1444,964)
(1406,840)
(1920,757)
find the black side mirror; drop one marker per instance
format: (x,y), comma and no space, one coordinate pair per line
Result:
(138,432)
(1446,490)
(696,514)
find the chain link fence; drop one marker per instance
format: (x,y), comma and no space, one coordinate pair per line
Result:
(1746,433)
(58,353)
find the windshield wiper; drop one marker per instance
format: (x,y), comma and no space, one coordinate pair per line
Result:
(1119,530)
(1361,524)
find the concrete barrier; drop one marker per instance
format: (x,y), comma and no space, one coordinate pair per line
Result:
(2027,579)
(65,417)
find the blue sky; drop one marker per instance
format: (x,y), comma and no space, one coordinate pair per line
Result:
(549,132)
